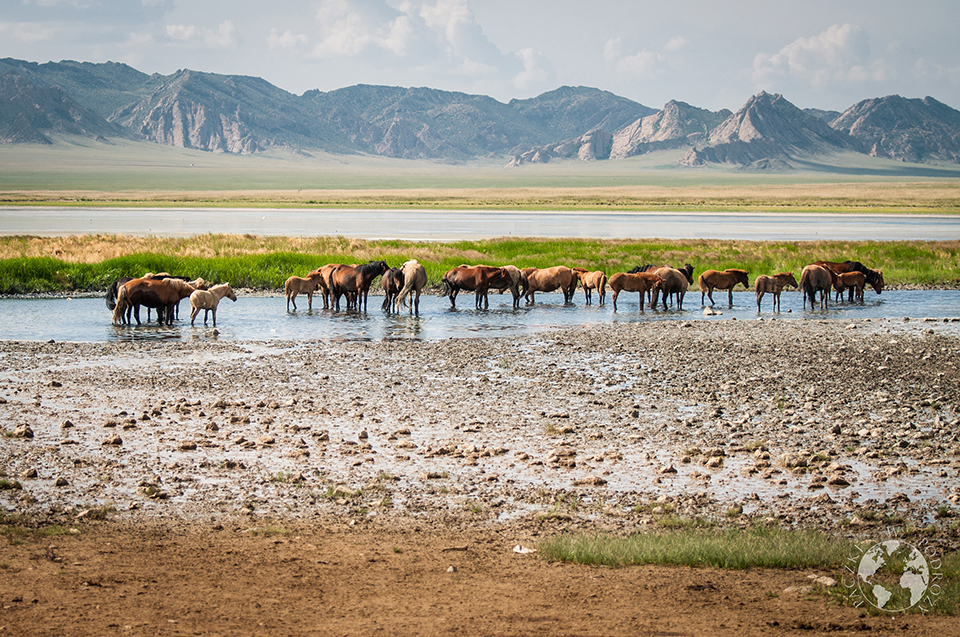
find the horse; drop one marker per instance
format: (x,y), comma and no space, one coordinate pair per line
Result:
(325,284)
(774,285)
(853,281)
(148,292)
(592,281)
(641,282)
(208,300)
(813,279)
(392,282)
(515,282)
(414,280)
(712,280)
(687,270)
(184,290)
(301,285)
(114,288)
(478,278)
(873,277)
(355,279)
(549,279)
(672,281)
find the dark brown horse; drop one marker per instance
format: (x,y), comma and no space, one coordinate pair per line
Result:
(874,278)
(147,292)
(392,282)
(355,280)
(853,281)
(712,280)
(478,278)
(641,282)
(672,281)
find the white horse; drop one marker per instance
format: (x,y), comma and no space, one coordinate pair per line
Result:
(414,280)
(207,300)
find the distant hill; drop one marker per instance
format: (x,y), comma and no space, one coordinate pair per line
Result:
(768,127)
(911,130)
(242,114)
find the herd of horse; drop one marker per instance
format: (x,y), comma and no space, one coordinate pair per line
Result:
(404,285)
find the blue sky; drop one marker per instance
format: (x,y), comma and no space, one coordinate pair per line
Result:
(710,53)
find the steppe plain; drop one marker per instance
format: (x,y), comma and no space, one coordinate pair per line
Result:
(355,488)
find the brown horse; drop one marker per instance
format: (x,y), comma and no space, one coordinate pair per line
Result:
(478,278)
(853,281)
(147,292)
(873,277)
(813,279)
(672,281)
(325,283)
(392,282)
(687,270)
(355,280)
(774,285)
(559,277)
(641,282)
(592,281)
(414,280)
(299,285)
(515,282)
(712,280)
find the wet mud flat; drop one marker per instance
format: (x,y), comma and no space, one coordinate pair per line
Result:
(849,426)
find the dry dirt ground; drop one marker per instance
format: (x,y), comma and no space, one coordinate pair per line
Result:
(380,488)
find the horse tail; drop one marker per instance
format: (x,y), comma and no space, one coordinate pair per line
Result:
(121,305)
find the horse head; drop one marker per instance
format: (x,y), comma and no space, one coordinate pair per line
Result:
(877,282)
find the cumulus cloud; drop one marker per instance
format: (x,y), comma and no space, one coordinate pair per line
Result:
(839,55)
(349,29)
(640,65)
(535,72)
(221,38)
(286,40)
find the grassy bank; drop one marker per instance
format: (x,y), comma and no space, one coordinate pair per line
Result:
(91,263)
(757,547)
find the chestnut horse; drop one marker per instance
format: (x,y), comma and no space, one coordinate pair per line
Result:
(687,270)
(355,280)
(392,282)
(726,280)
(478,278)
(813,279)
(641,282)
(549,279)
(873,277)
(301,285)
(515,282)
(592,281)
(414,280)
(672,281)
(150,293)
(774,285)
(326,284)
(853,281)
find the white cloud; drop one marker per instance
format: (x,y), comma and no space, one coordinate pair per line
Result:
(286,40)
(221,38)
(533,74)
(641,65)
(349,30)
(25,32)
(676,44)
(839,55)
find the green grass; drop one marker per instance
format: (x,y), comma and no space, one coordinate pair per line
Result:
(732,548)
(265,263)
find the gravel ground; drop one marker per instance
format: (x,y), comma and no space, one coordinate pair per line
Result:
(849,427)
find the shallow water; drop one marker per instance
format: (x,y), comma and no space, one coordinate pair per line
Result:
(265,318)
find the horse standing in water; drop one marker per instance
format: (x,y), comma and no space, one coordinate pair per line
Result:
(150,293)
(414,279)
(208,300)
(642,282)
(774,285)
(813,279)
(592,281)
(478,278)
(726,280)
(874,278)
(355,280)
(392,282)
(301,285)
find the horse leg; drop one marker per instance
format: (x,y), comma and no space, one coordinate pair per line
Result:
(730,296)
(214,310)
(193,314)
(613,297)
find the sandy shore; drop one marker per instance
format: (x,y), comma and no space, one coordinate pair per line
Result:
(291,487)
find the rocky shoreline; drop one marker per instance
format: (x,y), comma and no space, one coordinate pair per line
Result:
(851,427)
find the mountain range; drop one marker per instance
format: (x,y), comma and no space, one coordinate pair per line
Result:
(242,114)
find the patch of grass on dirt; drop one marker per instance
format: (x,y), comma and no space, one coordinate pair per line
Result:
(731,548)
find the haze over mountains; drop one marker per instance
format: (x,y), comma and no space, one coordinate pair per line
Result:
(241,114)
